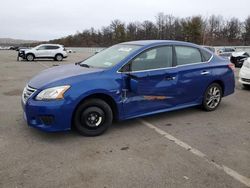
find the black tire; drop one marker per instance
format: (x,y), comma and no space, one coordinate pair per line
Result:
(30,57)
(246,86)
(58,57)
(92,117)
(238,65)
(212,97)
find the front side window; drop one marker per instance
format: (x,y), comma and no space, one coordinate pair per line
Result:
(187,55)
(41,48)
(160,57)
(110,56)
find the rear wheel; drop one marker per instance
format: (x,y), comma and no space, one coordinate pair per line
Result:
(212,97)
(93,117)
(30,57)
(59,57)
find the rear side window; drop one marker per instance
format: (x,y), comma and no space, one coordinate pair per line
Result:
(187,55)
(206,55)
(52,47)
(160,57)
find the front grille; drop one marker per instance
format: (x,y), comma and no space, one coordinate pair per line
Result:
(21,54)
(27,93)
(245,80)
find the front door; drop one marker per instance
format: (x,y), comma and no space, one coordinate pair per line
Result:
(150,82)
(41,51)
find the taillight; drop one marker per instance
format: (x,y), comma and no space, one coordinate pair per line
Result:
(231,66)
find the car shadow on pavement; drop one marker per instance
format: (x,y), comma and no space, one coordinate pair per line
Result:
(118,127)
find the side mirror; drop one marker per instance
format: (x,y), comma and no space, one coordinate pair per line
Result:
(131,82)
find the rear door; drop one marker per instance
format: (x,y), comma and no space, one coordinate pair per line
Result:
(194,73)
(150,83)
(52,51)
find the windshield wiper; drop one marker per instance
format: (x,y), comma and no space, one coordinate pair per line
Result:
(84,65)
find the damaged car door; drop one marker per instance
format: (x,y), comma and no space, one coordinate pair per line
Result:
(149,82)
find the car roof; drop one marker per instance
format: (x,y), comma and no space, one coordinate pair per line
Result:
(158,42)
(51,45)
(207,46)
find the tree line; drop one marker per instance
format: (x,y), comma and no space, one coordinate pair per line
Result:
(214,30)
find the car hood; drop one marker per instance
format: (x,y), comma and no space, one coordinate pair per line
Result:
(59,73)
(239,54)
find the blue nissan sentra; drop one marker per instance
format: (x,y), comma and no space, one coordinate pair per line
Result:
(125,81)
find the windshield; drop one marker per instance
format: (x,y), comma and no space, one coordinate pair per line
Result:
(110,56)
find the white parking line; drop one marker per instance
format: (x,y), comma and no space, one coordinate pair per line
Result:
(227,170)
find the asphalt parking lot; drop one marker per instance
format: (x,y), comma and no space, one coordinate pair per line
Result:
(185,148)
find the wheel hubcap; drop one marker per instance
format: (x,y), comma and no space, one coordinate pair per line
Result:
(92,118)
(59,58)
(213,97)
(29,57)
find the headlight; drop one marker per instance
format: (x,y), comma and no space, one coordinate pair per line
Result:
(52,93)
(247,63)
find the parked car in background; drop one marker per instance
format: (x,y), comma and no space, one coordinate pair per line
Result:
(70,51)
(210,48)
(226,55)
(225,50)
(21,48)
(244,75)
(238,58)
(125,81)
(49,51)
(13,48)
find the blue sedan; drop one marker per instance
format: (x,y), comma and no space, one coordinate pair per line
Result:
(127,80)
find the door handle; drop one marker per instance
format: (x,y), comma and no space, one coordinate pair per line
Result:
(205,72)
(168,78)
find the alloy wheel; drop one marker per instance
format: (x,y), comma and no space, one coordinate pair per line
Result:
(213,97)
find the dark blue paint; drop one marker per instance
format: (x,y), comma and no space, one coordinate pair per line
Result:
(185,90)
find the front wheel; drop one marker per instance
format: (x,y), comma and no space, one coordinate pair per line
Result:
(93,117)
(30,57)
(212,97)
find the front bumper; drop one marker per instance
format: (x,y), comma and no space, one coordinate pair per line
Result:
(244,75)
(49,116)
(21,54)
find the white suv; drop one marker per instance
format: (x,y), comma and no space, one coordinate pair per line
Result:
(53,51)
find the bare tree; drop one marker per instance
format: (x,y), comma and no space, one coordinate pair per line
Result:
(246,32)
(212,31)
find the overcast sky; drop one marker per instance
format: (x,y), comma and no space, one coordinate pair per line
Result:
(50,19)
